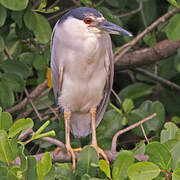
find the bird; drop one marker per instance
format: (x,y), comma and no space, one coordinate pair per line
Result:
(82,70)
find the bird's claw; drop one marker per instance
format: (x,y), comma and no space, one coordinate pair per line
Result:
(100,152)
(73,156)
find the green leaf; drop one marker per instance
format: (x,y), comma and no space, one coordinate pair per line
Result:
(176,154)
(44,165)
(47,134)
(128,105)
(169,132)
(173,28)
(143,171)
(15,5)
(41,129)
(1,44)
(14,81)
(176,172)
(64,171)
(135,91)
(109,125)
(159,154)
(39,25)
(20,125)
(3,172)
(104,166)
(15,173)
(150,39)
(5,120)
(177,61)
(171,101)
(17,16)
(24,162)
(27,58)
(140,148)
(16,67)
(87,156)
(6,151)
(3,15)
(174,3)
(31,170)
(6,96)
(116,108)
(175,119)
(39,62)
(121,164)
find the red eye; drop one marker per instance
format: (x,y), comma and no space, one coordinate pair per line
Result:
(87,20)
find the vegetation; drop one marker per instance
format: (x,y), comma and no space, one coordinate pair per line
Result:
(140,130)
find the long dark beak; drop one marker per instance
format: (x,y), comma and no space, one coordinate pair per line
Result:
(112,28)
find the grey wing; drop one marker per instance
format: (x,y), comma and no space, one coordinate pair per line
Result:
(109,64)
(56,66)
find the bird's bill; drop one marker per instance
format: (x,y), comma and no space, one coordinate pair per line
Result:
(112,28)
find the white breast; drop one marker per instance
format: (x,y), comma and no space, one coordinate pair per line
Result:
(83,60)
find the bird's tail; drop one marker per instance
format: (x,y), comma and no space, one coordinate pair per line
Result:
(81,124)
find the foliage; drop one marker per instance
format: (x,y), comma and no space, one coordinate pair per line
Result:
(163,157)
(25,32)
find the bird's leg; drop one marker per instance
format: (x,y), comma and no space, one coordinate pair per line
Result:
(94,139)
(67,117)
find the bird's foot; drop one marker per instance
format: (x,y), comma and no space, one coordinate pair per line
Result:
(73,156)
(100,152)
(71,151)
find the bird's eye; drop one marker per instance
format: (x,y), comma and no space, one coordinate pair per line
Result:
(87,20)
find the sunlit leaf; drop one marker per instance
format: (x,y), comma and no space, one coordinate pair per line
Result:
(15,5)
(44,165)
(6,91)
(6,150)
(20,125)
(87,156)
(159,154)
(5,120)
(169,132)
(121,164)
(3,15)
(143,170)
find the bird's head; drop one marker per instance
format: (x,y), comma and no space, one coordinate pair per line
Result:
(92,21)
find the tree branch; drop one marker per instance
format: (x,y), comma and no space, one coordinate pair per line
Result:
(36,92)
(157,78)
(113,147)
(146,56)
(163,18)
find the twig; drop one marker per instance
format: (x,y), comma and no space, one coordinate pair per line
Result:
(148,29)
(32,104)
(30,132)
(76,2)
(36,92)
(144,133)
(60,13)
(8,53)
(25,134)
(113,147)
(118,98)
(143,17)
(53,4)
(132,12)
(24,114)
(52,109)
(54,141)
(157,78)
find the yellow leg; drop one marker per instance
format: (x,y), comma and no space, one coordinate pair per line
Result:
(67,117)
(94,139)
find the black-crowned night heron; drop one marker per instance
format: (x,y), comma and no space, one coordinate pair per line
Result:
(82,71)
